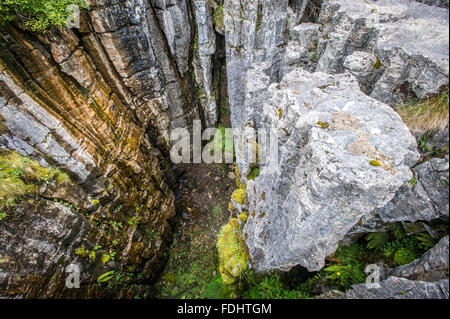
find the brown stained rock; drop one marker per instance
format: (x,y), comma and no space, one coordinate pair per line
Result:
(344,121)
(362,147)
(72,93)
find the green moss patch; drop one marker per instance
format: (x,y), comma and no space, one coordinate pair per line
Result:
(233,257)
(20,175)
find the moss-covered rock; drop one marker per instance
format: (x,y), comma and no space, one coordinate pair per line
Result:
(240,196)
(232,257)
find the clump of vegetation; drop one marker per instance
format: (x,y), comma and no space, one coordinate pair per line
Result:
(271,287)
(233,257)
(422,143)
(404,256)
(323,125)
(349,266)
(254,173)
(19,175)
(427,115)
(243,217)
(240,196)
(218,17)
(38,15)
(377,240)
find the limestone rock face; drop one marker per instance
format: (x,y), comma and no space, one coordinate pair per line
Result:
(401,288)
(392,47)
(206,48)
(437,3)
(326,179)
(99,104)
(424,199)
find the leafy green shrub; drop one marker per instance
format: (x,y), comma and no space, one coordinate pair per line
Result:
(37,15)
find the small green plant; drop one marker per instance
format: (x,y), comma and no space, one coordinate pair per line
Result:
(377,240)
(2,215)
(397,230)
(95,202)
(254,173)
(134,221)
(422,143)
(106,277)
(81,251)
(426,241)
(115,225)
(152,233)
(413,182)
(346,276)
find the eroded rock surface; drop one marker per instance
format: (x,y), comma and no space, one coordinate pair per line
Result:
(98,104)
(326,179)
(394,48)
(376,42)
(401,288)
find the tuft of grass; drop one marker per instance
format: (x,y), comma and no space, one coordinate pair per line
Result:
(428,115)
(20,175)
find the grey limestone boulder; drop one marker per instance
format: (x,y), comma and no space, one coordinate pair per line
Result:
(330,137)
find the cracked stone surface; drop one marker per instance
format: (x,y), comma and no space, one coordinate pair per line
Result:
(324,182)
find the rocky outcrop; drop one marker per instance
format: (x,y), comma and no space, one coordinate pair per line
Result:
(97,103)
(424,198)
(341,155)
(394,48)
(269,41)
(205,48)
(400,288)
(437,3)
